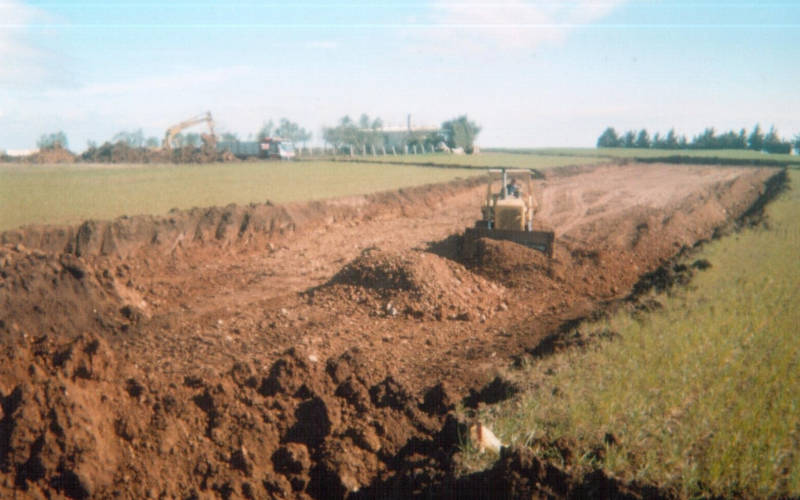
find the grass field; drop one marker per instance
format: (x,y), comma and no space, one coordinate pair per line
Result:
(72,193)
(702,397)
(631,153)
(539,161)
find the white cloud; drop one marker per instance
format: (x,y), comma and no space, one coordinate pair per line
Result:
(514,24)
(195,79)
(22,61)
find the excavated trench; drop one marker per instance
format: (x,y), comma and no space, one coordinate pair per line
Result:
(319,349)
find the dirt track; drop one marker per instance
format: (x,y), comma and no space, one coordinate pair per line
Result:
(181,380)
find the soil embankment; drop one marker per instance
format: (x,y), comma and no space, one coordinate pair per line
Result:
(313,349)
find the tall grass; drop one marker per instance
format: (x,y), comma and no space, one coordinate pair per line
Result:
(68,194)
(702,397)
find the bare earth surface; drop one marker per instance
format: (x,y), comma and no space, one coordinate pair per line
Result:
(310,349)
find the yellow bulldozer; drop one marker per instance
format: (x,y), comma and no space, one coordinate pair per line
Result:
(507,214)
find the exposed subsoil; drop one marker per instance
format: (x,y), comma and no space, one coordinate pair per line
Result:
(317,349)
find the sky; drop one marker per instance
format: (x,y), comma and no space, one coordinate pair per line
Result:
(531,73)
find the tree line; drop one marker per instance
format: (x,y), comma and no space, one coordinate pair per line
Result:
(348,134)
(367,132)
(756,140)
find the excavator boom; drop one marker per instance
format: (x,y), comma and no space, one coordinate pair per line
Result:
(176,129)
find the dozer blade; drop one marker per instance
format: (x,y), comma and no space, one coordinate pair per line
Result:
(539,240)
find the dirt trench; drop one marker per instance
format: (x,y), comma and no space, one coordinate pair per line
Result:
(308,350)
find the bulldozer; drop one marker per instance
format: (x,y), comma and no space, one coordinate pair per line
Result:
(507,214)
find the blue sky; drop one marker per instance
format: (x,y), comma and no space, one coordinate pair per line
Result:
(532,73)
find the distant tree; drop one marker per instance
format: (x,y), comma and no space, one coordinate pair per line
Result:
(643,139)
(741,140)
(52,141)
(756,139)
(629,139)
(228,137)
(265,131)
(774,144)
(608,139)
(797,144)
(434,138)
(292,131)
(671,140)
(345,134)
(706,140)
(460,133)
(193,139)
(152,142)
(657,142)
(179,140)
(728,140)
(133,139)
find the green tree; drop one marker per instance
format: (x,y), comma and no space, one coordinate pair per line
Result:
(629,139)
(461,133)
(133,139)
(643,139)
(671,140)
(292,131)
(608,139)
(265,131)
(797,144)
(52,141)
(658,141)
(774,144)
(706,140)
(756,139)
(193,139)
(152,142)
(741,139)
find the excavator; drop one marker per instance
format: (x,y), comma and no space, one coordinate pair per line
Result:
(209,139)
(508,214)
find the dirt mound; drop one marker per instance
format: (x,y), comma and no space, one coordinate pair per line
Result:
(251,226)
(519,474)
(512,264)
(417,284)
(52,155)
(43,294)
(75,421)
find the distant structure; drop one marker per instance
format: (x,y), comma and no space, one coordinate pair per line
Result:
(18,153)
(398,137)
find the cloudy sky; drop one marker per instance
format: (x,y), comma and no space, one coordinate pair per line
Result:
(532,73)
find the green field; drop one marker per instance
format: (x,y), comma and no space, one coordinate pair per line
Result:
(633,153)
(703,396)
(72,193)
(489,159)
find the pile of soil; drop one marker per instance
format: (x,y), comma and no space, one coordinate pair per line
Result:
(52,155)
(78,420)
(417,284)
(50,294)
